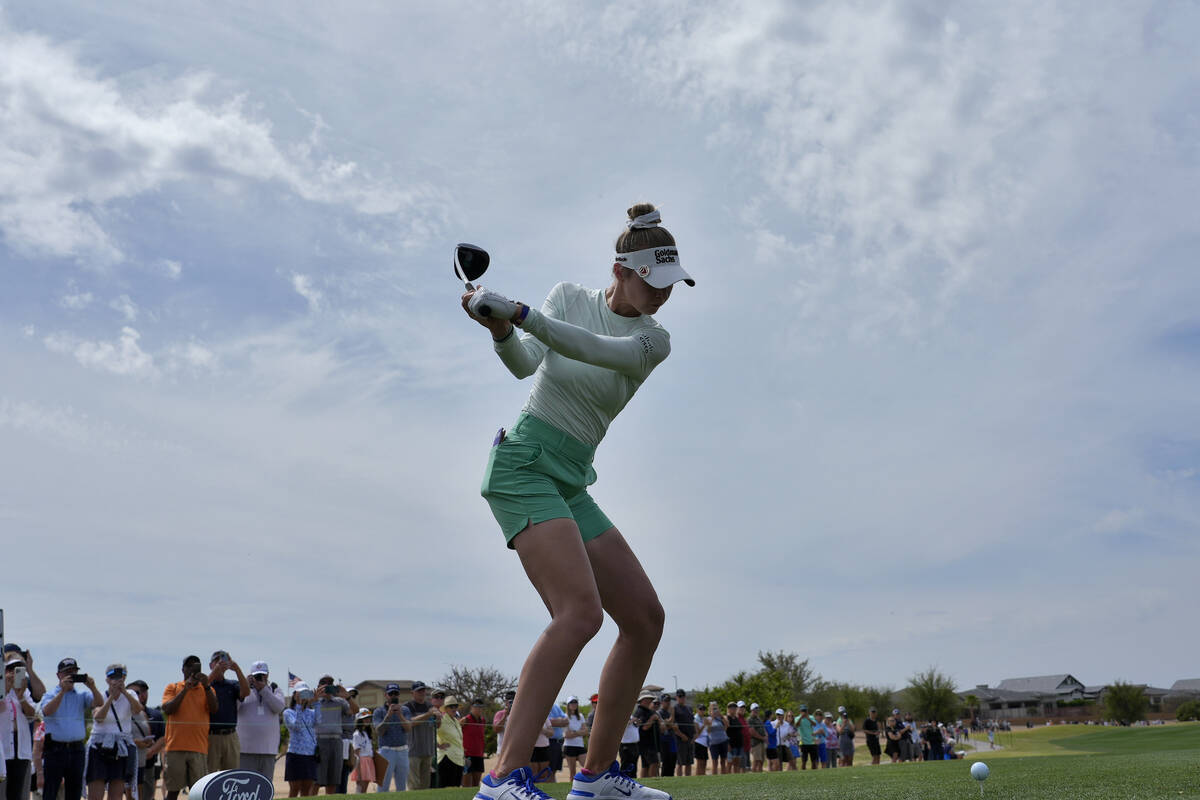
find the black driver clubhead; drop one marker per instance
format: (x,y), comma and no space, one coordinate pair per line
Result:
(470,262)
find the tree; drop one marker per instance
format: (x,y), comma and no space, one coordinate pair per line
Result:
(972,702)
(767,688)
(794,671)
(1125,703)
(468,683)
(931,695)
(1188,711)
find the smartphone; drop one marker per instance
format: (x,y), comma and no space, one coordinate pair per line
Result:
(19,676)
(330,689)
(79,677)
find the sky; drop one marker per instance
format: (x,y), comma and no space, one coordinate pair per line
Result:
(933,401)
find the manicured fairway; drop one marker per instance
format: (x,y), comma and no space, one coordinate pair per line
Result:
(1062,763)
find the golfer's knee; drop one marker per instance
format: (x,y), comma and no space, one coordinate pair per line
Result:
(646,624)
(583,623)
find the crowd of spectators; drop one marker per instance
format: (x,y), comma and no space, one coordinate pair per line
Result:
(224,717)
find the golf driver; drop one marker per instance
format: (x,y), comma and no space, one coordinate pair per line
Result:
(471,261)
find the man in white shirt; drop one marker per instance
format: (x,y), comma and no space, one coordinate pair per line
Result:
(258,723)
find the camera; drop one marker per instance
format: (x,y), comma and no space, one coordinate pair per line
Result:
(330,689)
(392,701)
(79,677)
(306,694)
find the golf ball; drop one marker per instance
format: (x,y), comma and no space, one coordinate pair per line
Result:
(979,771)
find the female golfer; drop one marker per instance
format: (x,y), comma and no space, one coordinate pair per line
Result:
(589,350)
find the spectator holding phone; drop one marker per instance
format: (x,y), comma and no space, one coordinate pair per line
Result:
(424,720)
(391,728)
(300,766)
(224,750)
(258,723)
(111,743)
(16,739)
(63,708)
(37,689)
(334,708)
(187,705)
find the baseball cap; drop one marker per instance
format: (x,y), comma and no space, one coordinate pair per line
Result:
(139,682)
(741,703)
(779,711)
(804,707)
(681,693)
(895,711)
(645,696)
(13,663)
(666,697)
(418,686)
(9,647)
(439,692)
(478,701)
(218,655)
(572,699)
(67,663)
(828,715)
(114,671)
(259,668)
(841,709)
(753,706)
(511,694)
(872,710)
(393,687)
(595,698)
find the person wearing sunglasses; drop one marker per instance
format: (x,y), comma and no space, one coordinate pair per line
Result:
(258,722)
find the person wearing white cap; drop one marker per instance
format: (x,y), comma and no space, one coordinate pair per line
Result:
(589,351)
(300,763)
(758,738)
(258,722)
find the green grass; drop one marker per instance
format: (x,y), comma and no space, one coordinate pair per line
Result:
(1061,763)
(1057,740)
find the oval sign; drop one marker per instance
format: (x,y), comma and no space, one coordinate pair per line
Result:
(232,784)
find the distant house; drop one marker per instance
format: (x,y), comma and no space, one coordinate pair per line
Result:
(1036,696)
(372,694)
(1060,687)
(1187,688)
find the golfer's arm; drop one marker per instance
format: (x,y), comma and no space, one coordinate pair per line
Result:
(634,356)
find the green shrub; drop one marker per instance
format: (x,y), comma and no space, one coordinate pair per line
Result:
(1188,711)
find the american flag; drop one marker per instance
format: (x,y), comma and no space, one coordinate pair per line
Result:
(293,680)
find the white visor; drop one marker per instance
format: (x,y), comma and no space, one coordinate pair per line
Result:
(657,266)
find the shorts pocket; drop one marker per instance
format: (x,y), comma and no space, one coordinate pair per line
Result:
(517,455)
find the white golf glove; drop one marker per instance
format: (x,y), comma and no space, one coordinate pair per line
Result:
(498,306)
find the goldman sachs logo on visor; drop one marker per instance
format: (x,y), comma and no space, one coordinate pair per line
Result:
(666,256)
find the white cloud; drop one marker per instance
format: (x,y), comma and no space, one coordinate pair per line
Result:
(75,142)
(172,269)
(127,308)
(121,357)
(28,331)
(303,286)
(74,299)
(191,356)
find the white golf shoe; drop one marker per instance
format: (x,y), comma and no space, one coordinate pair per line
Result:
(518,785)
(612,785)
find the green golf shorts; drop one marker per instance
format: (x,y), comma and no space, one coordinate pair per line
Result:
(536,473)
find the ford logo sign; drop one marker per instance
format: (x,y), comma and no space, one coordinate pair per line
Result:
(232,784)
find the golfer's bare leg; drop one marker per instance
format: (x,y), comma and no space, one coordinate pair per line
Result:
(556,562)
(629,598)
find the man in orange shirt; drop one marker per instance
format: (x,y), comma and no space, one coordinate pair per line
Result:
(187,705)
